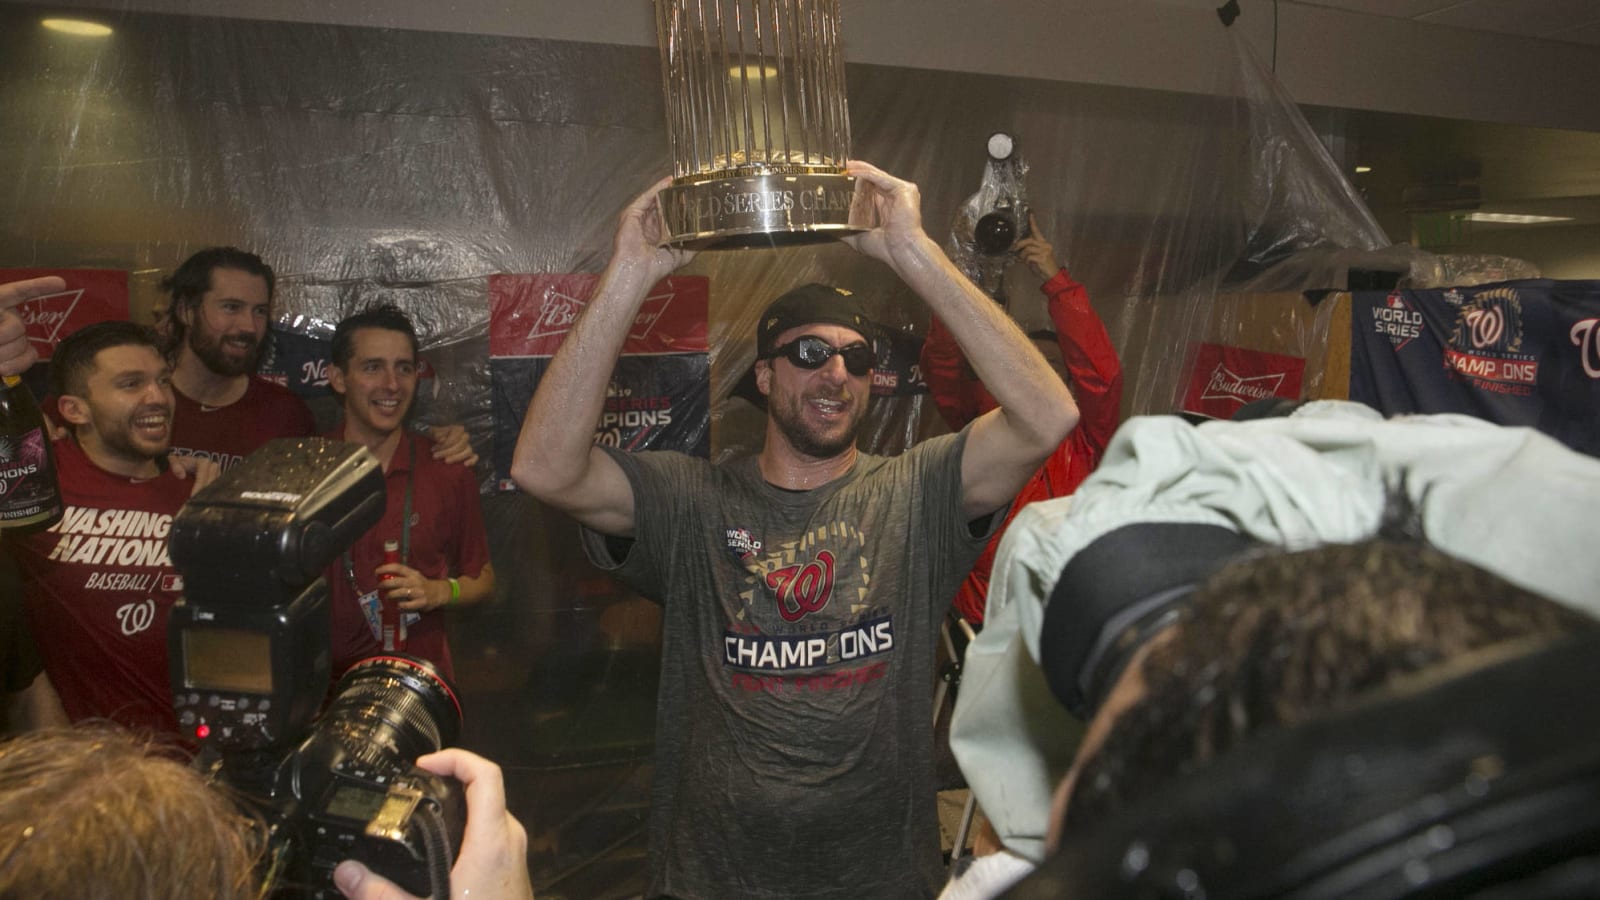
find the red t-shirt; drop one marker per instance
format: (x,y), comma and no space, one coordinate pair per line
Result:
(447,540)
(98,587)
(1096,386)
(229,433)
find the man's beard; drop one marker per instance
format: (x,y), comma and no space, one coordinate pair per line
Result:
(118,437)
(210,351)
(790,418)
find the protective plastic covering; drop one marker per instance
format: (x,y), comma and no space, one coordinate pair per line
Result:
(369,164)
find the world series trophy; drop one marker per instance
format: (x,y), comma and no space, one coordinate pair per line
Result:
(758,125)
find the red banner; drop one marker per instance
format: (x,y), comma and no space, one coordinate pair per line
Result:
(92,295)
(1226,378)
(529,315)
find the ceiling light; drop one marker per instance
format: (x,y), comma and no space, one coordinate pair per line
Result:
(1513,218)
(753,72)
(78,27)
(1362,170)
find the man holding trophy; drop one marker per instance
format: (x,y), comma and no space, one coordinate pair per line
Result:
(802,588)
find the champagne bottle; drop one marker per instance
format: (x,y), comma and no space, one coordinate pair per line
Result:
(30,497)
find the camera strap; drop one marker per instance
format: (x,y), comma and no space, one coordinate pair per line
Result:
(405,519)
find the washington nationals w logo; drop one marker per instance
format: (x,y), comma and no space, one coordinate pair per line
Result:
(1586,335)
(803,589)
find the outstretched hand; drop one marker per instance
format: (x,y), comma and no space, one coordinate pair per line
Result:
(897,205)
(639,236)
(16,354)
(1036,251)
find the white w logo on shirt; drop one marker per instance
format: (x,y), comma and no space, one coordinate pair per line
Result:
(136,617)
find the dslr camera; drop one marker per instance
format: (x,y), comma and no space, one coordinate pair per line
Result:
(249,659)
(989,224)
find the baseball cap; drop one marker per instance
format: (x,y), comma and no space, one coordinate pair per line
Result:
(810,304)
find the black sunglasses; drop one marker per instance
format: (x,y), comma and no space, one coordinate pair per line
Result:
(811,352)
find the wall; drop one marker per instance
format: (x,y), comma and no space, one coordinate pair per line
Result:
(1323,56)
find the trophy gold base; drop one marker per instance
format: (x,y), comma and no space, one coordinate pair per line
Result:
(777,207)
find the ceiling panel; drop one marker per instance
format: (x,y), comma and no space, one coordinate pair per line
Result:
(1576,21)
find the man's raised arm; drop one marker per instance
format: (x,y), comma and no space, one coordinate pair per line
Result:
(556,459)
(1036,411)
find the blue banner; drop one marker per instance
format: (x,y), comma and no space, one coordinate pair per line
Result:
(1515,353)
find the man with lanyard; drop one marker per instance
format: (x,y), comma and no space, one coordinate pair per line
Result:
(802,588)
(217,318)
(432,513)
(99,585)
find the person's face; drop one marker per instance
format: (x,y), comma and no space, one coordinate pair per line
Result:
(126,409)
(818,411)
(228,326)
(1051,351)
(378,382)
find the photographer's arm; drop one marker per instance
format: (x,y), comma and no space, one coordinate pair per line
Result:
(955,390)
(556,459)
(1086,348)
(1005,445)
(493,861)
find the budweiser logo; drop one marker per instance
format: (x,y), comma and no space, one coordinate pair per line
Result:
(650,312)
(1225,385)
(556,315)
(44,316)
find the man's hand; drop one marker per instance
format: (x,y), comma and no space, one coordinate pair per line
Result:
(493,862)
(410,589)
(451,445)
(1037,252)
(637,246)
(16,354)
(898,207)
(202,469)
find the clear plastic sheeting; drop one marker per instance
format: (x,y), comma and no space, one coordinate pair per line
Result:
(370,164)
(991,221)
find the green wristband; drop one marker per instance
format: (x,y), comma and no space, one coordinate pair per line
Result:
(455,593)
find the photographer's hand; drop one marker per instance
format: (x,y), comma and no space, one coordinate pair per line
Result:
(1037,252)
(493,862)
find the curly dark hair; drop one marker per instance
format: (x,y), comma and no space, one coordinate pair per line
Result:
(1280,638)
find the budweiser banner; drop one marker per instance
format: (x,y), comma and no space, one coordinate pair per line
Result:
(1516,353)
(1225,378)
(659,396)
(92,295)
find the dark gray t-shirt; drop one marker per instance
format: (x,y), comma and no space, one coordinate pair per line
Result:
(794,744)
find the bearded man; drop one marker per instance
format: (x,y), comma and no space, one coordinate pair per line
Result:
(802,588)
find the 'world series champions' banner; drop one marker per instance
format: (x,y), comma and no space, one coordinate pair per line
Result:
(660,392)
(1516,353)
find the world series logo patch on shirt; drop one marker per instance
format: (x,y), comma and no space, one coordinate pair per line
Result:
(743,544)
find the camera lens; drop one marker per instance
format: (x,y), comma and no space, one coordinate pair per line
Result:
(994,233)
(397,705)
